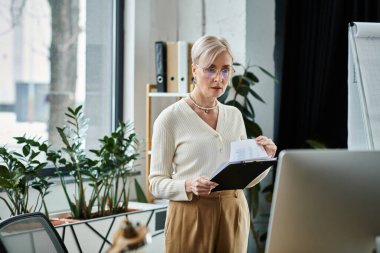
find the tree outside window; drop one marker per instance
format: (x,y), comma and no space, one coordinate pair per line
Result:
(44,65)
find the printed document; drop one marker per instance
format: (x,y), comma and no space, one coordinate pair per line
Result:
(248,161)
(243,152)
(247,150)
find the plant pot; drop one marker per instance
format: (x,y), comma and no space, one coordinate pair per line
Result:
(62,221)
(96,235)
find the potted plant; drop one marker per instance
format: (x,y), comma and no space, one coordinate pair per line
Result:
(239,94)
(117,155)
(72,157)
(106,178)
(242,85)
(108,174)
(20,172)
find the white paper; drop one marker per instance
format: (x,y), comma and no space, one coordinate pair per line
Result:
(364,88)
(247,150)
(244,151)
(366,29)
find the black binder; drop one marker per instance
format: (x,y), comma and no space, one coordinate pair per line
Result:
(160,57)
(237,175)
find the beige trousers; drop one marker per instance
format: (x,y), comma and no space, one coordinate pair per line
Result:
(215,224)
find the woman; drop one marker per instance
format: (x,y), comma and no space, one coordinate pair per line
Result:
(190,139)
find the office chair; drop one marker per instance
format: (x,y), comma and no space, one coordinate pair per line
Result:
(29,233)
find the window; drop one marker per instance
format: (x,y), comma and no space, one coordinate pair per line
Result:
(54,55)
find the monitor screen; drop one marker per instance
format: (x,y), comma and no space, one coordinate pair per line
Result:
(325,201)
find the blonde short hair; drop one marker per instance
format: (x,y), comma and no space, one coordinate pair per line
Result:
(208,47)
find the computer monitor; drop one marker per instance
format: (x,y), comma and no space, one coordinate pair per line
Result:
(325,201)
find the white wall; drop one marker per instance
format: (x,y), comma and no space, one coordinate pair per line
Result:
(247,24)
(260,42)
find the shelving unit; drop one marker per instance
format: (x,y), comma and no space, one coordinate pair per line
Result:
(151,92)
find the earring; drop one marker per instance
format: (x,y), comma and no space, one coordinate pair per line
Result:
(195,80)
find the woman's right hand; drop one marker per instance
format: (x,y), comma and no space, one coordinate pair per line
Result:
(200,186)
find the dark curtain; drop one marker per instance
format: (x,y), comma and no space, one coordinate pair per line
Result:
(314,69)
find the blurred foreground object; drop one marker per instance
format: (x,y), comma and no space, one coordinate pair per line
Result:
(129,237)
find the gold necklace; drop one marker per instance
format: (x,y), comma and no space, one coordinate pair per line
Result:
(205,109)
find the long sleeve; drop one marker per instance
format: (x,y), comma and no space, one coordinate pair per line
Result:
(163,147)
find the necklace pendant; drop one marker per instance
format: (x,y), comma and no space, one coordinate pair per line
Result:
(205,109)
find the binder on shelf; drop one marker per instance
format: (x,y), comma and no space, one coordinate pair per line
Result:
(172,66)
(161,76)
(189,69)
(237,175)
(182,67)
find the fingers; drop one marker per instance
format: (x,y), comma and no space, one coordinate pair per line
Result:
(202,186)
(268,145)
(263,140)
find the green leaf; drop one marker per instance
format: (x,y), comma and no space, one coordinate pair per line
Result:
(40,166)
(19,139)
(26,150)
(70,116)
(241,85)
(17,154)
(245,112)
(316,144)
(268,197)
(248,81)
(252,128)
(72,123)
(140,193)
(63,136)
(252,76)
(34,143)
(268,188)
(96,152)
(256,96)
(267,73)
(44,147)
(33,155)
(71,110)
(62,161)
(78,109)
(5,183)
(3,151)
(251,109)
(4,172)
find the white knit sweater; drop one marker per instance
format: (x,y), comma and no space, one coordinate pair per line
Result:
(184,147)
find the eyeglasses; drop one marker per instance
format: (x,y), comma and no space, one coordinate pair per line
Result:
(225,72)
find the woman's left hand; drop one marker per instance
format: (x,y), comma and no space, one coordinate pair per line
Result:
(268,145)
